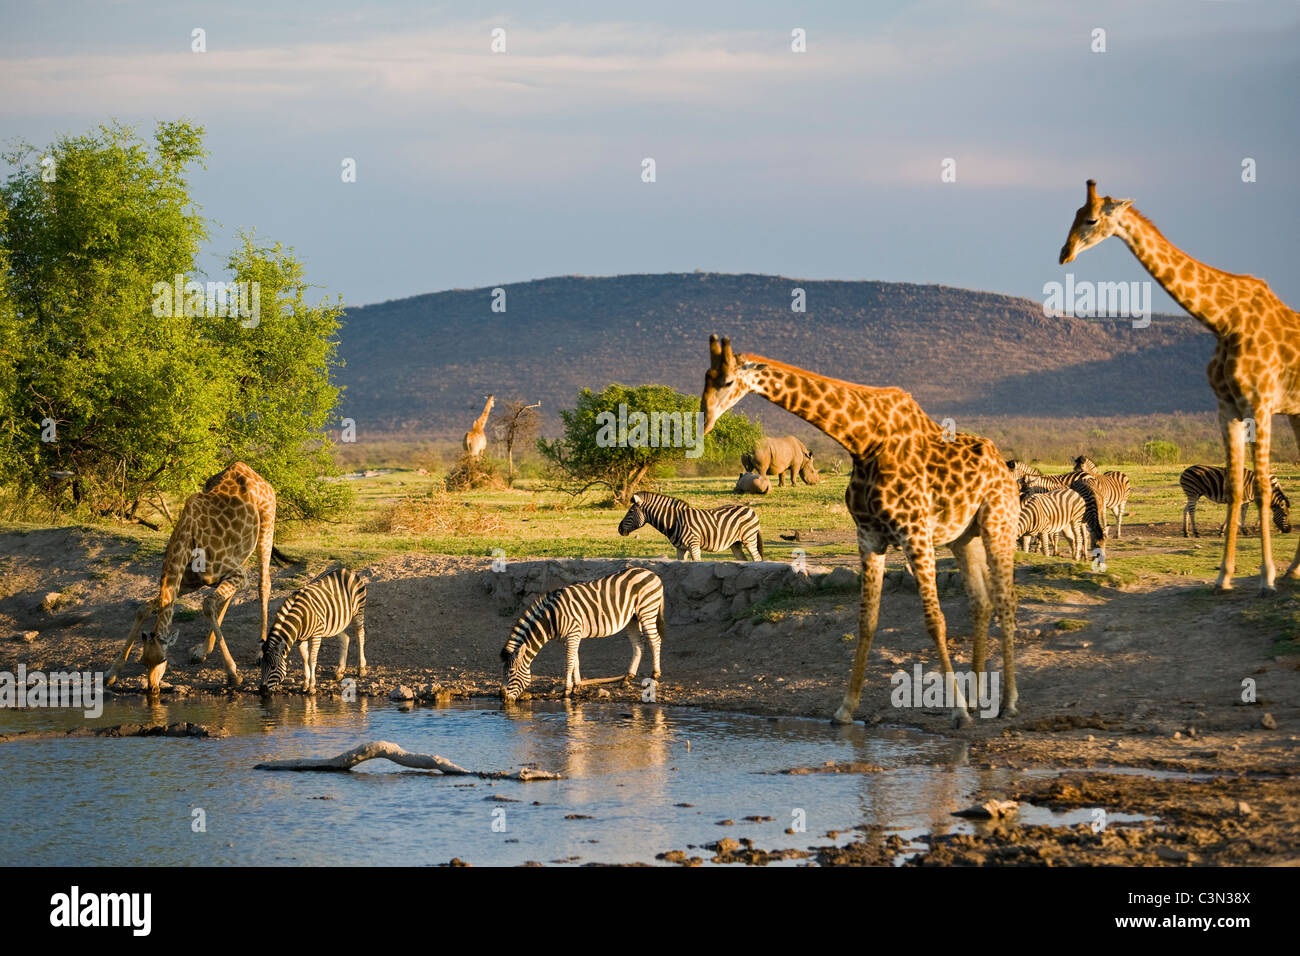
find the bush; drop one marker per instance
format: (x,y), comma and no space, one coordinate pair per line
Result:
(436,513)
(472,472)
(1158,452)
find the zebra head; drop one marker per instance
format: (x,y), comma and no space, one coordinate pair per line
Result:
(1281,509)
(634,518)
(1085,464)
(533,629)
(1097,219)
(275,653)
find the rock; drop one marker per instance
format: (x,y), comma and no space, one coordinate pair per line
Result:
(764,631)
(1267,722)
(991,810)
(51,601)
(698,581)
(602,694)
(672,856)
(724,846)
(27,636)
(726,569)
(716,610)
(1172,855)
(401,693)
(1178,735)
(1243,808)
(839,578)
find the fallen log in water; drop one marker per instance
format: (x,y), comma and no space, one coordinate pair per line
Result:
(383,749)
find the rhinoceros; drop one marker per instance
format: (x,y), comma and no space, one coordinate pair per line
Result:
(776,456)
(752,484)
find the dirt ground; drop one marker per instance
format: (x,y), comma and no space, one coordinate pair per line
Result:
(1150,676)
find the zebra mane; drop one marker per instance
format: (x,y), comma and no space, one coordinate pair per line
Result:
(523,628)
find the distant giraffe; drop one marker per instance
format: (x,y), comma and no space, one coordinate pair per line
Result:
(476,437)
(219,527)
(913,486)
(1255,371)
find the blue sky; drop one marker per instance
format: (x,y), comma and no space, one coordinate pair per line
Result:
(476,168)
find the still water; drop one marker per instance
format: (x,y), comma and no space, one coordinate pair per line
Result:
(638,781)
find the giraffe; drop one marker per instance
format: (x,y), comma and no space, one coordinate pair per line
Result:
(1255,371)
(476,437)
(913,486)
(218,529)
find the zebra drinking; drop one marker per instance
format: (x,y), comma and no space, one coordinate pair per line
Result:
(1049,513)
(599,608)
(322,608)
(694,530)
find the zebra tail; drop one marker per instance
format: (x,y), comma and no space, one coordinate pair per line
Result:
(283,560)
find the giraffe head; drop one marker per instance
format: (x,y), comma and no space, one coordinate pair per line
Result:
(153,655)
(1097,219)
(723,382)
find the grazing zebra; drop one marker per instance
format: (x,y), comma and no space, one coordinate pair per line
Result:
(1114,487)
(1047,513)
(1085,486)
(1019,469)
(693,530)
(1208,481)
(599,608)
(322,608)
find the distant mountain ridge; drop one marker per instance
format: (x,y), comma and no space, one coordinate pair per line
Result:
(424,364)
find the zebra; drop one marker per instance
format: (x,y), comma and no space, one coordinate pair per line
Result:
(1114,487)
(693,530)
(324,607)
(1085,486)
(1047,513)
(1019,469)
(599,608)
(1209,481)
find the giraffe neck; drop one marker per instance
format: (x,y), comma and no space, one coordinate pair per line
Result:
(482,419)
(859,417)
(1192,284)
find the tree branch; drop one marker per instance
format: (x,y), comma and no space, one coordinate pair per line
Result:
(378,749)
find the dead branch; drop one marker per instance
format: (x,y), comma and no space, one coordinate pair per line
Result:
(382,749)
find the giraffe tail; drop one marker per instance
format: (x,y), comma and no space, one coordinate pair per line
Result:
(282,559)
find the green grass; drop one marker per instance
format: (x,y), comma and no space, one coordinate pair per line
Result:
(1278,616)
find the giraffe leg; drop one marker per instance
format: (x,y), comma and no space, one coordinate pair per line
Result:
(1234,438)
(200,651)
(136,627)
(1264,497)
(999,545)
(873,577)
(1294,570)
(973,564)
(215,608)
(922,556)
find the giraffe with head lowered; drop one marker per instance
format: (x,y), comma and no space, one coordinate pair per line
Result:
(476,437)
(1255,371)
(219,527)
(914,486)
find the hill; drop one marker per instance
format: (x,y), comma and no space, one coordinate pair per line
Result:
(424,364)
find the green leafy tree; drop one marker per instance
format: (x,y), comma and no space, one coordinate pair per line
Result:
(108,387)
(602,445)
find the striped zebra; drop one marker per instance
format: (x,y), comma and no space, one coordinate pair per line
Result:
(1209,481)
(322,608)
(1019,469)
(599,608)
(1114,487)
(1085,486)
(1049,513)
(694,530)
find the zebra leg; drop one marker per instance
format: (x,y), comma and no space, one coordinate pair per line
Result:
(306,666)
(650,631)
(572,676)
(315,647)
(1189,518)
(1119,519)
(344,639)
(361,640)
(634,634)
(873,577)
(738,551)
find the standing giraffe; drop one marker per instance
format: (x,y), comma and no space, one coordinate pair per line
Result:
(913,486)
(218,529)
(476,437)
(1255,371)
